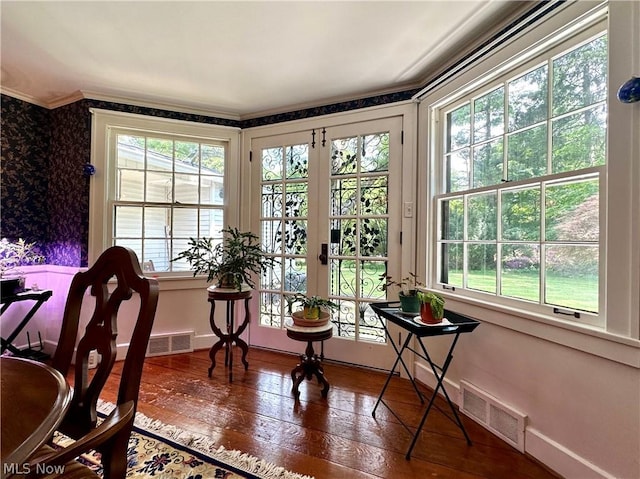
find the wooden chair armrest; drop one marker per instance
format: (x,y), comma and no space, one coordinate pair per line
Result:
(114,423)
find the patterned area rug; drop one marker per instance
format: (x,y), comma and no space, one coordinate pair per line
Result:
(158,450)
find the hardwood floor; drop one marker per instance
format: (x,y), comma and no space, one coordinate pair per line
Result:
(328,438)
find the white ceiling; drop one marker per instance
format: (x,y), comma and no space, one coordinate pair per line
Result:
(240,59)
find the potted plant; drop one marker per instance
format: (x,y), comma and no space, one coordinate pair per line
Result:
(230,262)
(407,295)
(14,254)
(431,307)
(314,309)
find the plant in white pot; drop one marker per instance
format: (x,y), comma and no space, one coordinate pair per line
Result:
(231,262)
(14,254)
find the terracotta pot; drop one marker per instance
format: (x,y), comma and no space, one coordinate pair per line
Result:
(426,315)
(300,320)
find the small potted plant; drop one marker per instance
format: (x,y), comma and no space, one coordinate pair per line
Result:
(230,262)
(315,309)
(431,307)
(407,295)
(14,254)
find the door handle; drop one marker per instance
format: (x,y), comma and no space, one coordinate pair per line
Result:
(324,253)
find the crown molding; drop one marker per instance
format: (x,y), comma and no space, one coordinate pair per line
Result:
(20,96)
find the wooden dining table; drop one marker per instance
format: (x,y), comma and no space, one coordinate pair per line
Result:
(35,398)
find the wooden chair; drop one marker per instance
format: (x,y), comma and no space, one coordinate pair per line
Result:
(112,279)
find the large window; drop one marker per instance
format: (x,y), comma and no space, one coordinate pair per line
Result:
(167,190)
(159,183)
(521,173)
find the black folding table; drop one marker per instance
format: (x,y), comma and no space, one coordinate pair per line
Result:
(455,324)
(40,297)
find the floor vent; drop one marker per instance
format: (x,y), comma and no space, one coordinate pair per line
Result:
(173,343)
(502,420)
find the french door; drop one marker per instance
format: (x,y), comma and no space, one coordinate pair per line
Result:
(327,205)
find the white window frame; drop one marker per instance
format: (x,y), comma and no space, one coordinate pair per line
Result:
(621,260)
(105,122)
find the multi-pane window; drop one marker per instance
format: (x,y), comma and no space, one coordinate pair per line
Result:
(522,171)
(166,190)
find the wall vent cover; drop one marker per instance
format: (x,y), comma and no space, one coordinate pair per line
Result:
(498,417)
(172,343)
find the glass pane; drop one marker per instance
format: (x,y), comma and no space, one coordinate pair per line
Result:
(452,264)
(482,217)
(571,276)
(295,275)
(159,154)
(373,196)
(344,156)
(128,221)
(130,152)
(348,238)
(528,99)
(130,185)
(295,237)
(344,197)
(271,309)
(271,278)
(187,157)
(156,255)
(375,152)
(186,188)
(488,164)
(488,115)
(527,153)
(272,164)
(458,171)
(452,217)
(211,222)
(212,159)
(271,240)
(134,244)
(579,140)
(373,237)
(159,187)
(370,328)
(272,200)
(459,128)
(211,190)
(179,245)
(343,277)
(521,214)
(370,282)
(481,271)
(157,222)
(296,197)
(520,271)
(298,161)
(185,223)
(580,77)
(572,211)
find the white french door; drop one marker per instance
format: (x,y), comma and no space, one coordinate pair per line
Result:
(335,191)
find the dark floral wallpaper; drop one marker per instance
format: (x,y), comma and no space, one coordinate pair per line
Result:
(24,170)
(45,196)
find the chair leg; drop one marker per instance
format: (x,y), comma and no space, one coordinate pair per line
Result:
(114,455)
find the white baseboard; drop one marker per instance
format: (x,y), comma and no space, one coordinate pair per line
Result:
(549,452)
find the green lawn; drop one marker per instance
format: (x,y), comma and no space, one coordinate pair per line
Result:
(576,292)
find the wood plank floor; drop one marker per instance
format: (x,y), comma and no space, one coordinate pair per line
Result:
(328,438)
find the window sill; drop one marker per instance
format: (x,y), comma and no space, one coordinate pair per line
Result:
(588,339)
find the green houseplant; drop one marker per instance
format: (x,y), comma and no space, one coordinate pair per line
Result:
(312,305)
(230,262)
(14,254)
(431,307)
(407,295)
